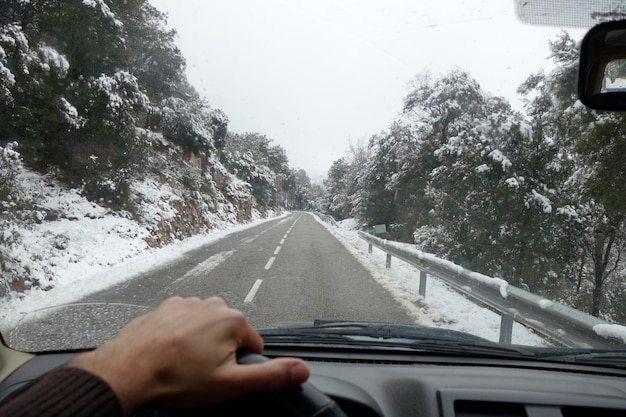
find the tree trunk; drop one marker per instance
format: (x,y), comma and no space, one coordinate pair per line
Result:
(596,300)
(603,243)
(580,271)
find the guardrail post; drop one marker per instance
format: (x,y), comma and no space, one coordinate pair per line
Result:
(369,248)
(422,289)
(388,264)
(506,328)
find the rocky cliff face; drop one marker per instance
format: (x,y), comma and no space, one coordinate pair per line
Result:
(191,194)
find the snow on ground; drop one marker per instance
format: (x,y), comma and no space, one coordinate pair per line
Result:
(86,240)
(86,260)
(95,277)
(442,307)
(88,249)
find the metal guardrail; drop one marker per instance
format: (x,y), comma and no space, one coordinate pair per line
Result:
(326,218)
(559,323)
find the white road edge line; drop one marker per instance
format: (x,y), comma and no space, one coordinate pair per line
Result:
(253,291)
(277,250)
(269,263)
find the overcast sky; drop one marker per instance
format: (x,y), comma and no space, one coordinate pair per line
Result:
(316,75)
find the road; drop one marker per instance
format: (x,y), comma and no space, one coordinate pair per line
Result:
(287,270)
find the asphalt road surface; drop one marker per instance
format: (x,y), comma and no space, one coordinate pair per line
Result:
(287,270)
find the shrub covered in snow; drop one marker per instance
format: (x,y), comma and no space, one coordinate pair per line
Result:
(10,166)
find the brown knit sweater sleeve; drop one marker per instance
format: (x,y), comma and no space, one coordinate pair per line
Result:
(65,392)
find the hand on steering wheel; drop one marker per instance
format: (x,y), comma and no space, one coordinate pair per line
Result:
(304,400)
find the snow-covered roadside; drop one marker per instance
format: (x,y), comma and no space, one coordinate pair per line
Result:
(56,246)
(101,259)
(442,307)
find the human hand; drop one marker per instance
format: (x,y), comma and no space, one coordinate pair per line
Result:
(184,353)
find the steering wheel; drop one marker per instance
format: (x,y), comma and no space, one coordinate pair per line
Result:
(302,401)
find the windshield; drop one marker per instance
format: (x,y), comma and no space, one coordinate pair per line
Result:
(404,162)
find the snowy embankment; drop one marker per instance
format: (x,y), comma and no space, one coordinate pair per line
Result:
(103,263)
(95,249)
(75,247)
(442,307)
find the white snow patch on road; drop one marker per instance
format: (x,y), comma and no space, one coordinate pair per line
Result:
(205,266)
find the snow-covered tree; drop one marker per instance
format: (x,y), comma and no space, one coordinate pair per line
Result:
(254,159)
(537,198)
(591,153)
(297,189)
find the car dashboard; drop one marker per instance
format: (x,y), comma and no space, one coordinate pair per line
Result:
(400,384)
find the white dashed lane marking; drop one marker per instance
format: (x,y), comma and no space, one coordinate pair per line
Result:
(268,265)
(253,291)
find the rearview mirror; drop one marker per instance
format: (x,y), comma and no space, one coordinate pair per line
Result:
(602,71)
